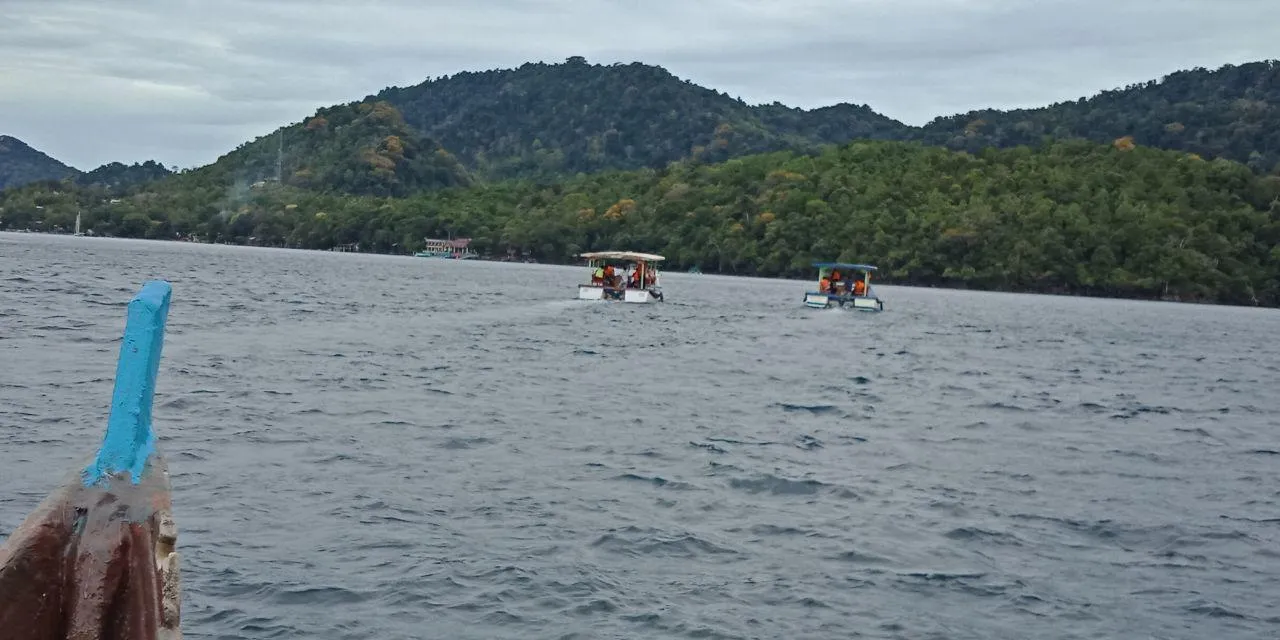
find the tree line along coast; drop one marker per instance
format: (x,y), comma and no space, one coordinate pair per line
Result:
(1107,196)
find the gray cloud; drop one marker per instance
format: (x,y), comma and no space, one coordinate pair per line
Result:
(184,81)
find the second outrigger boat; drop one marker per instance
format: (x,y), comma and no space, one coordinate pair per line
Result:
(636,281)
(842,284)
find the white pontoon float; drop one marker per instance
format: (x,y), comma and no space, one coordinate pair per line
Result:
(842,284)
(637,281)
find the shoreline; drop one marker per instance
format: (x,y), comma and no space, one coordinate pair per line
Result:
(881,281)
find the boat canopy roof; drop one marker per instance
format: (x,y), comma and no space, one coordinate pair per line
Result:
(844,265)
(621,255)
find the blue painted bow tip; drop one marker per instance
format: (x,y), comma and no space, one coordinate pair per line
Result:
(154,294)
(129,441)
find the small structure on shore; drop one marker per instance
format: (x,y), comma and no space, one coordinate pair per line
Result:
(457,249)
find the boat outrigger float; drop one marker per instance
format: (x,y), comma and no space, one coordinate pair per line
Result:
(639,281)
(843,284)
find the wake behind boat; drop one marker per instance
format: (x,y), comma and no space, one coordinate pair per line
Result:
(636,281)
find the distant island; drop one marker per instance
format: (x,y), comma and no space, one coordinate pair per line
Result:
(21,165)
(1166,190)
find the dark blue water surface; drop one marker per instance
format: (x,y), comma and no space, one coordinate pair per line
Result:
(386,447)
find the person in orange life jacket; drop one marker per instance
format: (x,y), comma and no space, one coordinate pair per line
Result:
(835,282)
(609,276)
(860,286)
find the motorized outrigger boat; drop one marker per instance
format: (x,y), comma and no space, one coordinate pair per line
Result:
(843,284)
(637,281)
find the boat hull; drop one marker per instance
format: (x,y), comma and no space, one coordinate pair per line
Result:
(446,256)
(819,300)
(638,296)
(642,296)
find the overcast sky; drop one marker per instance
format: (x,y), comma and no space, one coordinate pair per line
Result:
(183,81)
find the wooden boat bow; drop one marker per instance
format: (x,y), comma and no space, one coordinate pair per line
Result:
(97,559)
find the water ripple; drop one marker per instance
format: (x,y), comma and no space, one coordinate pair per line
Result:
(374,446)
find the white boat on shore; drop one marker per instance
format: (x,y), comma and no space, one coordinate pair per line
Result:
(636,281)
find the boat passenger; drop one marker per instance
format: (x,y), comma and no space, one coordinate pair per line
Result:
(860,287)
(609,276)
(835,282)
(597,276)
(824,284)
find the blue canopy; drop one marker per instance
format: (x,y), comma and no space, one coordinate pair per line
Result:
(844,265)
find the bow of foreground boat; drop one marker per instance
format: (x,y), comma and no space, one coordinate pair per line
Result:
(97,558)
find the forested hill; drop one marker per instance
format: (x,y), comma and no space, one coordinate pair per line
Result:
(1072,216)
(547,121)
(357,149)
(1230,112)
(20,164)
(541,120)
(118,176)
(1113,217)
(362,148)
